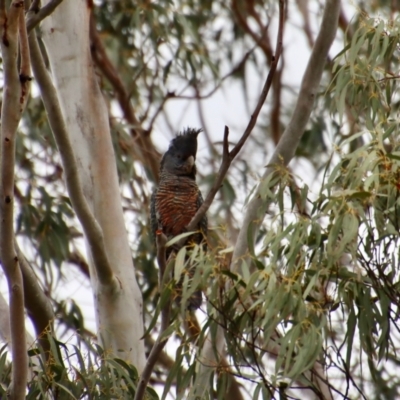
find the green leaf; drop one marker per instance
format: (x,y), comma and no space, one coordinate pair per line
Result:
(167,333)
(351,327)
(177,238)
(179,264)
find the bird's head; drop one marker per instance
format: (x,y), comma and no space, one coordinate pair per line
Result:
(181,155)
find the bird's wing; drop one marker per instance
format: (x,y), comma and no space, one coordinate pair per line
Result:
(203,225)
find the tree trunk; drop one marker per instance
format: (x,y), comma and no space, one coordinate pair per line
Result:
(118,306)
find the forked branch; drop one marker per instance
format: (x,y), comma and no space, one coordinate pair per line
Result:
(37,14)
(229,155)
(91,227)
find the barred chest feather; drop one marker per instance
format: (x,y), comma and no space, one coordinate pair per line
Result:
(176,202)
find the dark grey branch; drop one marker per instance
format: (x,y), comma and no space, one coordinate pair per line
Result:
(37,303)
(36,15)
(228,156)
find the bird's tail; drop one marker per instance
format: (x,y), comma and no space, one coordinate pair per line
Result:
(195,300)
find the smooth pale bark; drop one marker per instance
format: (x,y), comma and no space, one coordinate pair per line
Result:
(15,92)
(118,309)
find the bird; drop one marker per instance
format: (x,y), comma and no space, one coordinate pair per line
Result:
(177,198)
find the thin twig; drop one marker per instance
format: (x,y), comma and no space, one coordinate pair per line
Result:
(35,16)
(275,112)
(91,227)
(209,351)
(263,40)
(161,341)
(76,258)
(14,102)
(228,156)
(237,68)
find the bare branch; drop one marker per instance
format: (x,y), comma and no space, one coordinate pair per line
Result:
(25,64)
(228,156)
(275,112)
(36,302)
(77,259)
(89,223)
(161,341)
(147,152)
(164,359)
(304,9)
(290,139)
(34,6)
(263,40)
(14,101)
(36,15)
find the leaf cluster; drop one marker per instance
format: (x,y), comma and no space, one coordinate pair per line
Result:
(70,372)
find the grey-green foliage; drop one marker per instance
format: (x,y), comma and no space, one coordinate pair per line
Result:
(71,372)
(322,279)
(168,45)
(322,286)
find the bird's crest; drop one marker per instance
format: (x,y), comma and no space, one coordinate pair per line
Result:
(186,141)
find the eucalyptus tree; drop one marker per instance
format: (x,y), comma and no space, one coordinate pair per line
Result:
(301,187)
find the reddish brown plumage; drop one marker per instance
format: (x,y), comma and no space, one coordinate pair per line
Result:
(176,203)
(177,198)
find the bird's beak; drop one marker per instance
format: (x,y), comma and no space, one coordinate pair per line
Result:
(190,161)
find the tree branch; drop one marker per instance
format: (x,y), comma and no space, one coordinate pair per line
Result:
(263,40)
(25,66)
(5,330)
(93,232)
(14,101)
(36,302)
(148,154)
(228,156)
(161,340)
(36,15)
(290,139)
